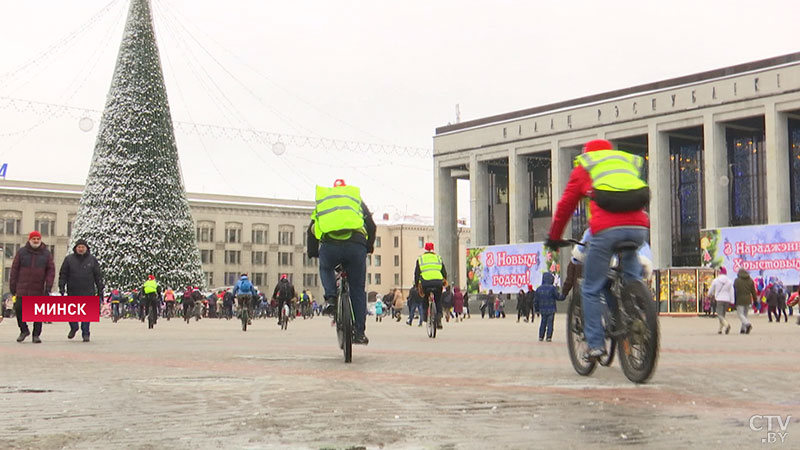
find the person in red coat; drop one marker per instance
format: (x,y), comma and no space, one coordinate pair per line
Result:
(32,274)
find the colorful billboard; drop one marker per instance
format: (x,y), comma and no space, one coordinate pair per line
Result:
(763,250)
(509,268)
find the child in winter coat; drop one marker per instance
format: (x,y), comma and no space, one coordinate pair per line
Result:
(545,304)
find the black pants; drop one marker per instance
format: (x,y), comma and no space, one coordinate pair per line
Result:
(188,310)
(151,304)
(23,327)
(434,286)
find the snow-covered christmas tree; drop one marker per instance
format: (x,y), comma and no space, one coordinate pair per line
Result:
(133,212)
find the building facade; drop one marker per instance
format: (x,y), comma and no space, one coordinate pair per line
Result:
(259,236)
(722,149)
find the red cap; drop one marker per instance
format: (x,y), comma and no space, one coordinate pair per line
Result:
(597,144)
(151,277)
(34,234)
(429,246)
(283,276)
(339,182)
(723,270)
(530,287)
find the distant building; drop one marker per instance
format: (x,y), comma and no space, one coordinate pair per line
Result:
(262,237)
(722,149)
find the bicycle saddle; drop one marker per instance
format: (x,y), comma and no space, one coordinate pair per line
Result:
(624,246)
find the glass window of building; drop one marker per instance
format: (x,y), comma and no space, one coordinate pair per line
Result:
(231,278)
(687,202)
(10,222)
(70,224)
(233,257)
(378,242)
(397,260)
(259,258)
(259,279)
(794,168)
(45,223)
(369,260)
(209,277)
(205,231)
(377,260)
(397,279)
(285,259)
(10,249)
(259,234)
(369,278)
(541,209)
(377,278)
(233,232)
(747,177)
(286,235)
(396,242)
(310,280)
(421,241)
(207,256)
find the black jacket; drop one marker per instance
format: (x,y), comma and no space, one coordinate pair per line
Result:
(80,274)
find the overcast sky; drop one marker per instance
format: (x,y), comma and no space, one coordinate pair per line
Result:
(359,71)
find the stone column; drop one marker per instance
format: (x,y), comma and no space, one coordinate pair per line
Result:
(479,201)
(660,197)
(445,220)
(776,136)
(518,197)
(715,165)
(560,168)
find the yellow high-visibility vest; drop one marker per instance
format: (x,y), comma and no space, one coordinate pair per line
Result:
(150,286)
(430,266)
(613,170)
(338,212)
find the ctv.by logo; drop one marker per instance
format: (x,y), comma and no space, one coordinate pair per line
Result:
(773,424)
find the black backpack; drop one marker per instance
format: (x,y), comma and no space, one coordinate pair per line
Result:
(284,290)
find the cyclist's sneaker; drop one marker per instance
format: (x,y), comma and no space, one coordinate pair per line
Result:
(596,353)
(36,340)
(86,339)
(360,339)
(549,339)
(330,306)
(71,333)
(23,335)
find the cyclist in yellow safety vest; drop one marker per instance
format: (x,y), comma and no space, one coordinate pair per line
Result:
(612,181)
(152,291)
(342,232)
(431,274)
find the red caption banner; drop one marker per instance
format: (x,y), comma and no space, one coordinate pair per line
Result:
(71,308)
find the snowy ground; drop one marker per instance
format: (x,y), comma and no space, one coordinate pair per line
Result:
(480,384)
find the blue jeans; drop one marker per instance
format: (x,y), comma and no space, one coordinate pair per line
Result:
(84,328)
(414,306)
(595,276)
(546,325)
(353,257)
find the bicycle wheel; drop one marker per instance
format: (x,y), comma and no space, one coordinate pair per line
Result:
(431,322)
(576,341)
(638,347)
(244,319)
(284,320)
(344,327)
(151,317)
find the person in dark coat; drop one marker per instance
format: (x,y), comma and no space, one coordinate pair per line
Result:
(545,304)
(522,305)
(80,275)
(32,274)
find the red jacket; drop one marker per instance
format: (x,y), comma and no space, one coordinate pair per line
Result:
(579,186)
(32,271)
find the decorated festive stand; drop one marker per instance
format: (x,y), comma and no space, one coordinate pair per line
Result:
(680,290)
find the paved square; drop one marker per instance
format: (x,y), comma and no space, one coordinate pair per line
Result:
(479,384)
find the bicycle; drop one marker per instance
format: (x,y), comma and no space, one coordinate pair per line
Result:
(152,313)
(344,318)
(430,322)
(631,326)
(115,311)
(244,307)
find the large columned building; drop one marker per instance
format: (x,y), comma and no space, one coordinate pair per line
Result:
(722,149)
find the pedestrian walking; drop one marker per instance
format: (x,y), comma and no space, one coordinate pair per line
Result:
(80,275)
(722,292)
(781,305)
(522,305)
(745,291)
(545,304)
(32,274)
(458,304)
(378,310)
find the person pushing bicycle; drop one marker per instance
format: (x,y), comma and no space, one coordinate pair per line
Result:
(342,232)
(611,181)
(431,275)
